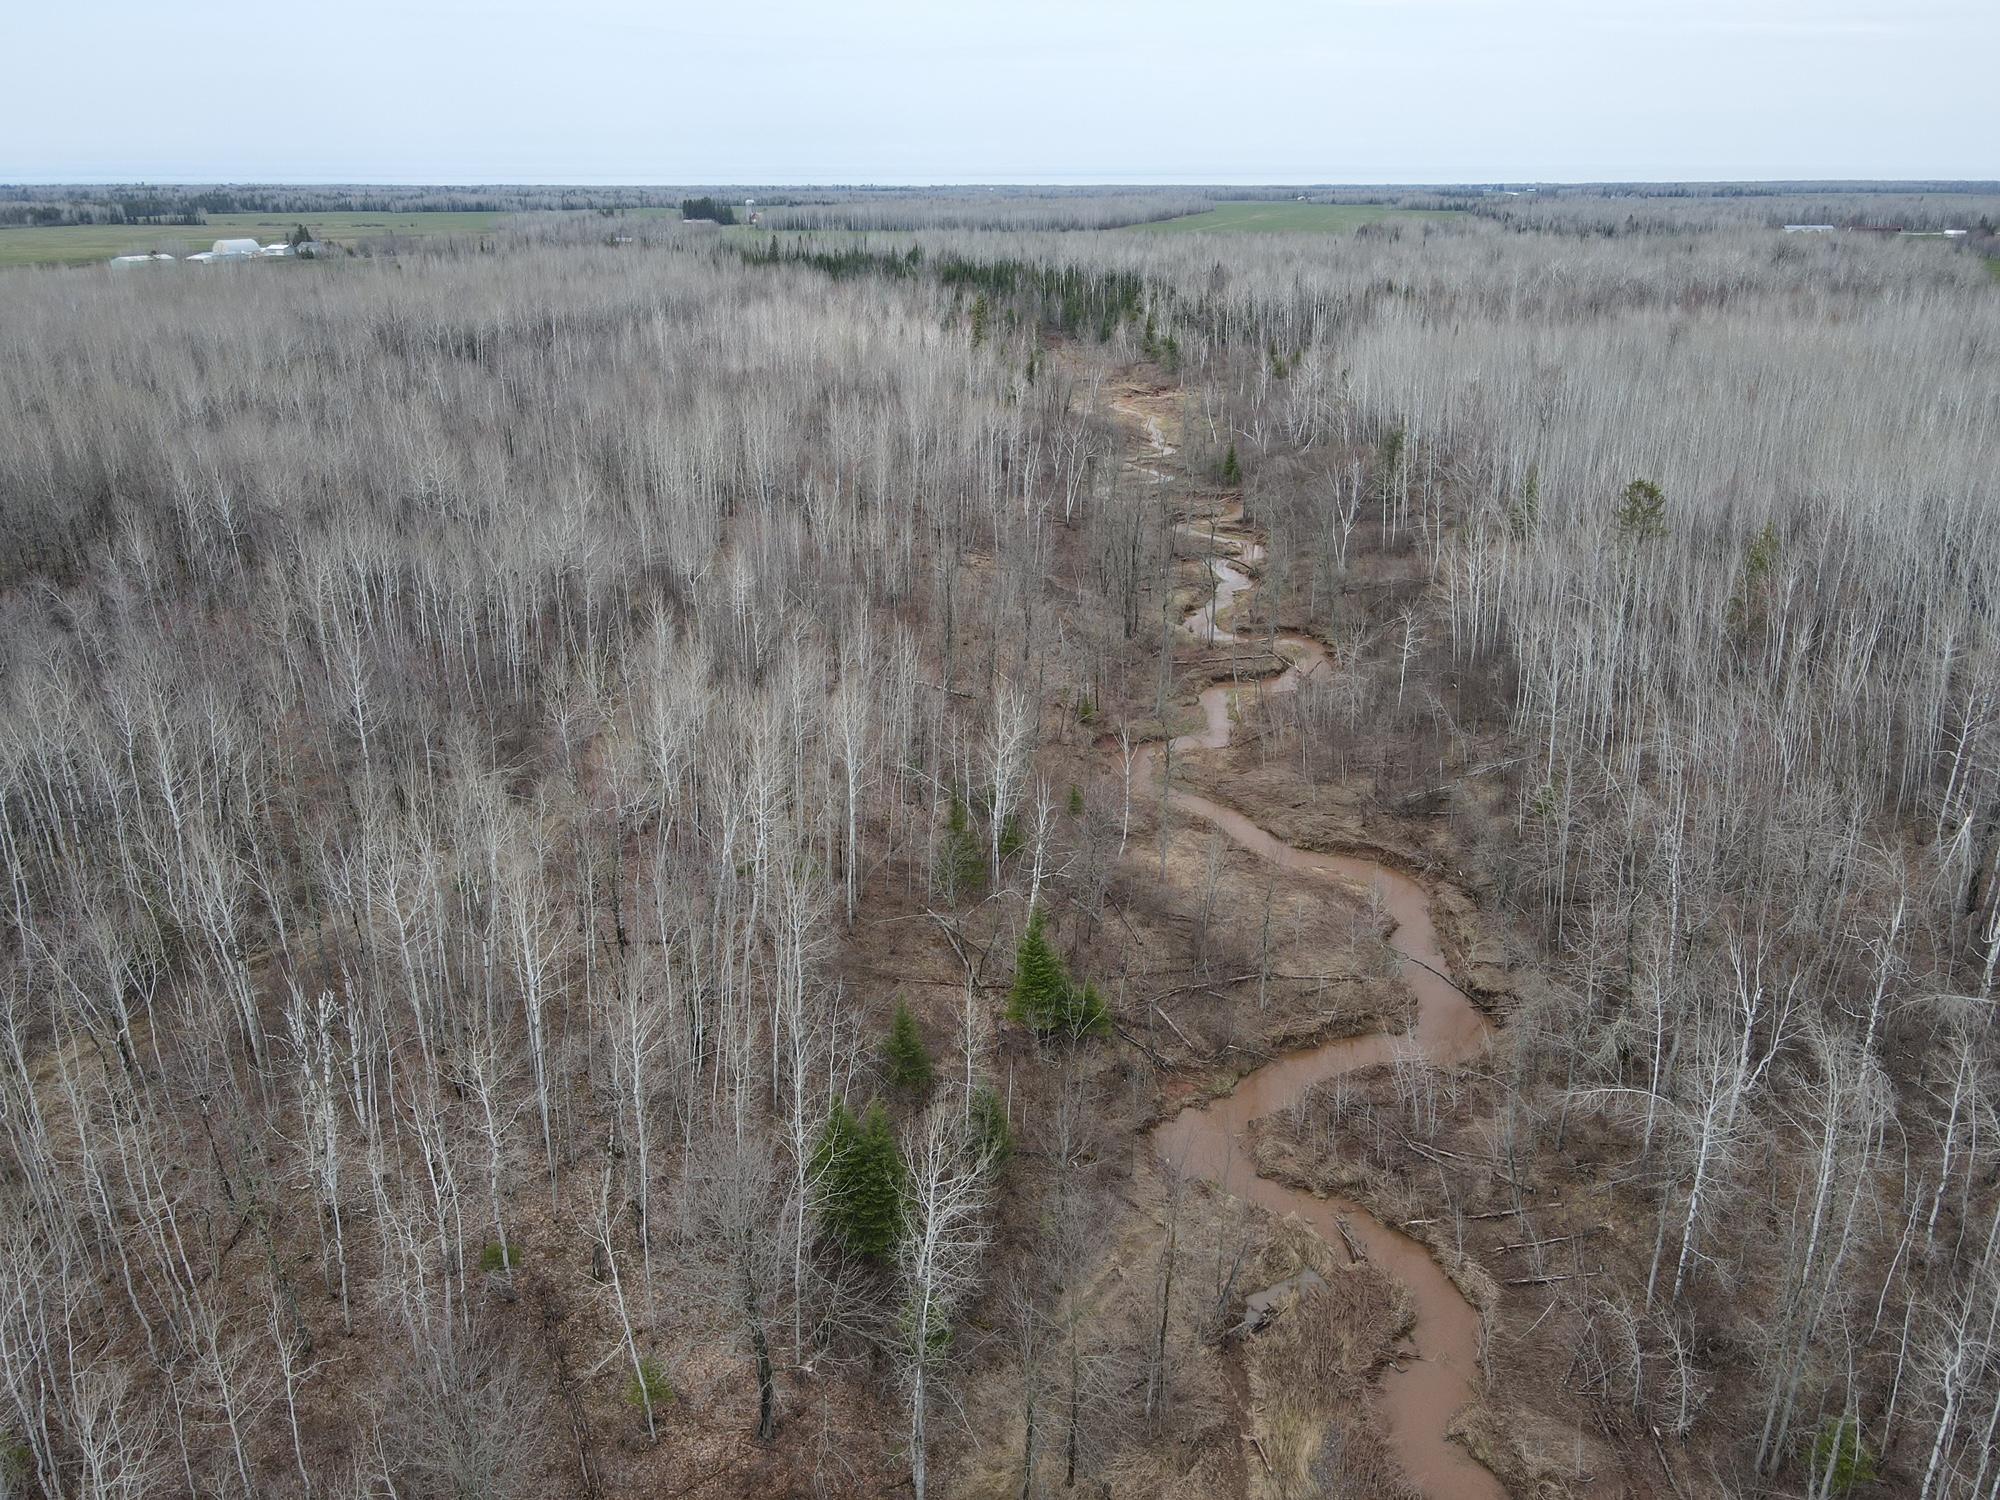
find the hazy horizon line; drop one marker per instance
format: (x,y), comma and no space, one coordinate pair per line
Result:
(1149,181)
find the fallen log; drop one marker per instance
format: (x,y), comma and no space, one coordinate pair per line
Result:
(1498,1213)
(1355,1254)
(1551,1280)
(1561,1239)
(1172,1027)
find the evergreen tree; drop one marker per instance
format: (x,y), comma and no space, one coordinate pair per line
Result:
(979,316)
(1642,511)
(1039,980)
(1044,997)
(858,1174)
(908,1064)
(1086,1014)
(992,1137)
(708,208)
(1840,1457)
(1232,471)
(1528,509)
(962,860)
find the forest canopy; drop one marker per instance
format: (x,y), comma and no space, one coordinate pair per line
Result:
(627,854)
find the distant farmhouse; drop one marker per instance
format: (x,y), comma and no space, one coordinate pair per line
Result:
(234,250)
(228,250)
(1896,229)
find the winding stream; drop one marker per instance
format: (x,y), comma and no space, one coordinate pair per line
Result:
(1419,1396)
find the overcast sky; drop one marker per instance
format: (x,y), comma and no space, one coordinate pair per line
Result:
(1027,91)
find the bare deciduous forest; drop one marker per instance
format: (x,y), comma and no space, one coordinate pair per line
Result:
(998,858)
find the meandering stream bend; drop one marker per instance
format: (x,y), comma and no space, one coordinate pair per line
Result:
(1419,1396)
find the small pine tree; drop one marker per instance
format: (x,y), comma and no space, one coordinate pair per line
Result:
(1044,997)
(16,1463)
(907,1063)
(992,1136)
(1642,511)
(1075,801)
(1232,470)
(1039,981)
(876,1204)
(937,1329)
(1744,611)
(1762,556)
(980,314)
(858,1174)
(649,1386)
(1528,509)
(1086,1014)
(1841,1456)
(962,860)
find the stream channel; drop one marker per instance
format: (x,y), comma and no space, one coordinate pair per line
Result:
(1420,1394)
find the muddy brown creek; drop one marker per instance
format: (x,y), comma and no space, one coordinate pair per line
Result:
(1420,1395)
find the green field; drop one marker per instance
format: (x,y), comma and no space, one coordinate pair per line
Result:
(1263,217)
(81,244)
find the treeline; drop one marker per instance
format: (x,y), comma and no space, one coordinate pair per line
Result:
(1582,208)
(1694,209)
(179,203)
(1044,294)
(988,209)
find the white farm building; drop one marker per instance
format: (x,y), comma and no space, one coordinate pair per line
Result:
(228,250)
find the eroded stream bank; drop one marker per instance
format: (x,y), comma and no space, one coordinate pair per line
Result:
(1420,1396)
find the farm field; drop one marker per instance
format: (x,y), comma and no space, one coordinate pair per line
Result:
(1285,218)
(79,244)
